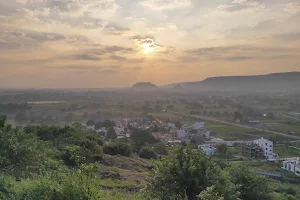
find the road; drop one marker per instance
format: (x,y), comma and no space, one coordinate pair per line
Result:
(238,125)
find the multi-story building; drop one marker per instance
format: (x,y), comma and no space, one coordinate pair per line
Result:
(266,146)
(292,165)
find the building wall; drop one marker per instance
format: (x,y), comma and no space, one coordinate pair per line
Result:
(267,147)
(293,166)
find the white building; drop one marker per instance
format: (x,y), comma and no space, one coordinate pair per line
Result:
(292,165)
(208,149)
(119,129)
(181,134)
(102,130)
(199,125)
(267,147)
(92,128)
(171,125)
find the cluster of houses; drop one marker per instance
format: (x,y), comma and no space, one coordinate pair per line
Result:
(256,149)
(120,128)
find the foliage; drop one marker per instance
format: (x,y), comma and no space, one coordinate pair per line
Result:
(20,150)
(111,133)
(90,123)
(210,194)
(250,185)
(147,152)
(160,148)
(237,115)
(142,137)
(117,148)
(222,148)
(270,115)
(182,173)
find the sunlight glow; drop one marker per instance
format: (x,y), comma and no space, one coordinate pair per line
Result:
(147,49)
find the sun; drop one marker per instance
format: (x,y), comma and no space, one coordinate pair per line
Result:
(147,49)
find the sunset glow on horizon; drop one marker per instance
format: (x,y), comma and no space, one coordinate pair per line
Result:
(114,43)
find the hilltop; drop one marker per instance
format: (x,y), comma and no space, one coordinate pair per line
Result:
(144,86)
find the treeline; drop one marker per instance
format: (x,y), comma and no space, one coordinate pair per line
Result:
(12,107)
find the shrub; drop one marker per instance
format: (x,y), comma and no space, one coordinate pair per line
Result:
(147,152)
(117,149)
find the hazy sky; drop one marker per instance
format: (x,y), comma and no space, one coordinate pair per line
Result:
(111,43)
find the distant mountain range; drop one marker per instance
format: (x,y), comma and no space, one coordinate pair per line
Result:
(289,81)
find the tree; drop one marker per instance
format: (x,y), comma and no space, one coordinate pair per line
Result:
(157,108)
(142,137)
(2,121)
(117,148)
(19,150)
(111,133)
(69,117)
(210,194)
(170,107)
(250,185)
(108,124)
(237,115)
(270,115)
(222,148)
(21,117)
(178,124)
(182,173)
(98,125)
(160,148)
(90,123)
(147,152)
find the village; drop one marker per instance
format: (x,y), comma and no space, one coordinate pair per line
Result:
(174,134)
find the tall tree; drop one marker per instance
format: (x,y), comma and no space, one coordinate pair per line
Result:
(182,173)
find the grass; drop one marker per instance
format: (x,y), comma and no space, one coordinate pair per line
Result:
(220,128)
(286,128)
(120,195)
(115,183)
(285,151)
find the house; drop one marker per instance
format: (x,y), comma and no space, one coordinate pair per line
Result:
(181,134)
(208,149)
(119,129)
(91,128)
(171,125)
(102,130)
(254,122)
(292,165)
(199,125)
(208,133)
(266,146)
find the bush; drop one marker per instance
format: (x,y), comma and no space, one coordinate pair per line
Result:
(117,149)
(147,152)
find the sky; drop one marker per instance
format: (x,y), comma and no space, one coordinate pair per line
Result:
(116,43)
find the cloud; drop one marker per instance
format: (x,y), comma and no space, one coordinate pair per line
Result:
(84,57)
(288,37)
(237,5)
(238,58)
(27,39)
(144,43)
(118,58)
(137,68)
(165,4)
(117,30)
(237,53)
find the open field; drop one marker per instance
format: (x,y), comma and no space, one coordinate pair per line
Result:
(286,151)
